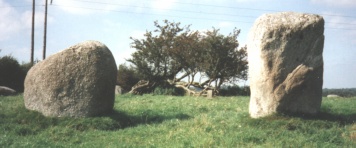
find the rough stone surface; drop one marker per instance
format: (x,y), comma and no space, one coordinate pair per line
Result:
(286,64)
(6,91)
(76,82)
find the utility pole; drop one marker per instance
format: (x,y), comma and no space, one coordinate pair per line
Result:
(33,31)
(45,31)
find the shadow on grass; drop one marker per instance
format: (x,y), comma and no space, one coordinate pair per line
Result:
(27,123)
(326,116)
(117,120)
(124,120)
(342,119)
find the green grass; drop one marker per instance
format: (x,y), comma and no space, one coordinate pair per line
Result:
(167,121)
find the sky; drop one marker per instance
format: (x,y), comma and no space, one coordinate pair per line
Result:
(113,22)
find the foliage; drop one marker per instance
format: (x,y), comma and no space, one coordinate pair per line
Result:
(168,121)
(152,58)
(126,77)
(234,90)
(223,62)
(25,67)
(171,50)
(169,90)
(344,92)
(12,74)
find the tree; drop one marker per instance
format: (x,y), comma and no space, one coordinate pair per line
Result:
(223,61)
(171,50)
(153,58)
(188,54)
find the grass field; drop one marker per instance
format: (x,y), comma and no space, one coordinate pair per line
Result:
(167,121)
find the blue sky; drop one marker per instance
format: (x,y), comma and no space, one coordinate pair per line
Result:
(113,22)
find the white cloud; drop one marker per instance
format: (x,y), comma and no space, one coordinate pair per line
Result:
(163,4)
(103,6)
(242,1)
(9,23)
(225,24)
(14,22)
(122,55)
(124,52)
(26,19)
(339,3)
(111,25)
(251,1)
(344,25)
(74,7)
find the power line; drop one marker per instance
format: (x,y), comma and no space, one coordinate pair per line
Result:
(197,4)
(268,10)
(122,11)
(185,11)
(220,6)
(196,12)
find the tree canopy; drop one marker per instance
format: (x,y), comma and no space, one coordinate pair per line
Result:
(171,50)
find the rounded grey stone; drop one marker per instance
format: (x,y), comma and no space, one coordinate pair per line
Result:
(76,82)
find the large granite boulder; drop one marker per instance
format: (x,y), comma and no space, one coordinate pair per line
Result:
(76,82)
(6,91)
(286,64)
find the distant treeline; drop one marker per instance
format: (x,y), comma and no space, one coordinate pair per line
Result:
(234,90)
(343,92)
(245,91)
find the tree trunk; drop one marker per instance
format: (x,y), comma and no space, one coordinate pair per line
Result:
(220,83)
(190,92)
(207,82)
(192,81)
(182,77)
(211,80)
(142,87)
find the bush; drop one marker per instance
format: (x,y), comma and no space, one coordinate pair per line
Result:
(169,90)
(235,91)
(126,77)
(11,74)
(25,67)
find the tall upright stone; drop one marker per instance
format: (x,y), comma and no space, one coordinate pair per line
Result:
(76,82)
(286,64)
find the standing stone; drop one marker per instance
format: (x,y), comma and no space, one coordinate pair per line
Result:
(118,90)
(286,64)
(76,82)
